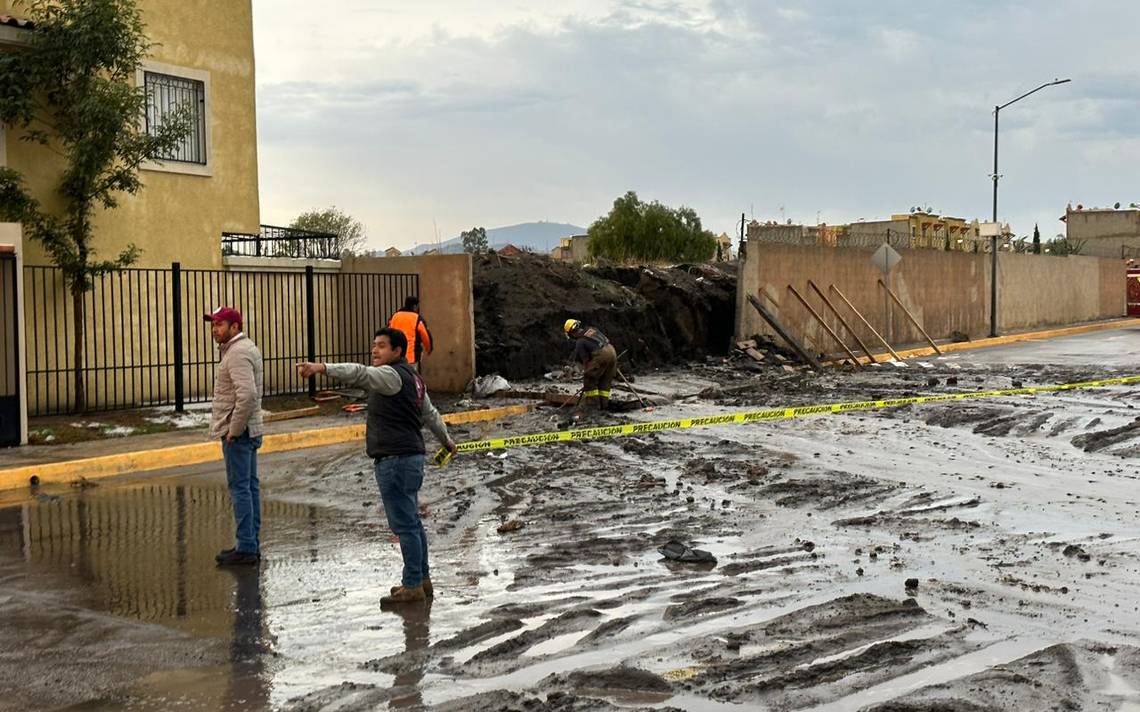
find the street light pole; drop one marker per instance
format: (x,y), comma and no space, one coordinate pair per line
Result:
(993,238)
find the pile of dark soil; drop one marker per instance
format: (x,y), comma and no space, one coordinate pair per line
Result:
(657,315)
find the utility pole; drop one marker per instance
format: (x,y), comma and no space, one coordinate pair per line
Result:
(993,238)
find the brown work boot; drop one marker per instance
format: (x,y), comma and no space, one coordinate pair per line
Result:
(404,595)
(429,590)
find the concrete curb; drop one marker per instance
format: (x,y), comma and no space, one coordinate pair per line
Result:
(93,468)
(1010,339)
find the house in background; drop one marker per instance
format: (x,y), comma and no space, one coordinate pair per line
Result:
(1105,232)
(392,252)
(575,248)
(202,58)
(924,230)
(509,251)
(723,248)
(916,229)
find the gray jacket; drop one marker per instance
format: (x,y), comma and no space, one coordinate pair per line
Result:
(237,391)
(386,381)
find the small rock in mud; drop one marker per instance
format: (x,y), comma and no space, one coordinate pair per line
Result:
(510,526)
(701,467)
(912,584)
(1072,550)
(700,606)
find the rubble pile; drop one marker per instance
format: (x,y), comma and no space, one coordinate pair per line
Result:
(655,315)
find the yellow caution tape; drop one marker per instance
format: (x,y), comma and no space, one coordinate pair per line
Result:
(679,674)
(768,414)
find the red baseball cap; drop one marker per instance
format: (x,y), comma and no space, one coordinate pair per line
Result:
(228,314)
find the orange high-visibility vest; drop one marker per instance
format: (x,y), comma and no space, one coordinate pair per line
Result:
(416,331)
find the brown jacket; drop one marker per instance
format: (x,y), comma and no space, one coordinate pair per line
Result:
(237,391)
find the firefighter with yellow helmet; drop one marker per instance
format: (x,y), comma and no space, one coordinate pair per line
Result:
(594,351)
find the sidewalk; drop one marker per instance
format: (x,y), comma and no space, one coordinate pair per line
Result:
(43,454)
(62,464)
(951,347)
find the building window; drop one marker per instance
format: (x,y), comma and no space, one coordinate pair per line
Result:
(168,95)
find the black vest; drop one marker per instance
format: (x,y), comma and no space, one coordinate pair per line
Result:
(394,422)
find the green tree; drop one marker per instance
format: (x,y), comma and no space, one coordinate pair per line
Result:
(650,232)
(1036,240)
(474,240)
(349,231)
(1060,246)
(72,91)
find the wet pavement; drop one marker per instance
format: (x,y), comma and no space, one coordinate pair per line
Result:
(962,556)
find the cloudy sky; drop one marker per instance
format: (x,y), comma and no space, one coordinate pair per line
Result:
(460,113)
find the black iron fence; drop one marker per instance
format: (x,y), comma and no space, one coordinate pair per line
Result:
(273,241)
(145,342)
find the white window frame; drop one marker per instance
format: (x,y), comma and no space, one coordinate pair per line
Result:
(196,169)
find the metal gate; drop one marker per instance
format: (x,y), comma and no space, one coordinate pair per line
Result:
(10,415)
(146,344)
(1134,291)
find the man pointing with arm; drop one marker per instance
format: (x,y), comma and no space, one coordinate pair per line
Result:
(398,407)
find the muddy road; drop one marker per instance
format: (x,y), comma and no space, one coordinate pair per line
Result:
(980,555)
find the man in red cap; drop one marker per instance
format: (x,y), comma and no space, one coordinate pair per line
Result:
(235,419)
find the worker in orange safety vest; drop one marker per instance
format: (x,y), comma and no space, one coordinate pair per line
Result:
(409,321)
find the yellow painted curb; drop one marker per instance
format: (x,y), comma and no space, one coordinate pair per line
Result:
(1010,339)
(93,468)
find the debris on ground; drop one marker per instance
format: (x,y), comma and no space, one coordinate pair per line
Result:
(489,385)
(679,551)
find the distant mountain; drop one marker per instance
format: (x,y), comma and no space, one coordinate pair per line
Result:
(538,236)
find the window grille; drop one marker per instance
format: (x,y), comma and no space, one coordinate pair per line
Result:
(167,95)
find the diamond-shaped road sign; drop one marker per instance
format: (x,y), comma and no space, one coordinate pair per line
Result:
(885,258)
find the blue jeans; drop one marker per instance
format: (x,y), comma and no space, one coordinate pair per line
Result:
(399,479)
(245,491)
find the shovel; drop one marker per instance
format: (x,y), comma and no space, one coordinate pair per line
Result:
(576,402)
(630,387)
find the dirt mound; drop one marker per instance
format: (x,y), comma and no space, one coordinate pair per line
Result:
(657,315)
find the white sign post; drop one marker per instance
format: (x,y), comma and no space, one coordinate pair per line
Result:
(886,259)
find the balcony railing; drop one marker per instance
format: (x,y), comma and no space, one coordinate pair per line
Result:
(273,241)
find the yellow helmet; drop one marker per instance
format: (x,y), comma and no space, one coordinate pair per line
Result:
(571,325)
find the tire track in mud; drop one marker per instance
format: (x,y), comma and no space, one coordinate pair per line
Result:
(775,623)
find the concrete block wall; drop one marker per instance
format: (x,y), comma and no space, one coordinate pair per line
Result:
(446,304)
(945,291)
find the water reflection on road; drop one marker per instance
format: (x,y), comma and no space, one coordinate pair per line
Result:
(146,552)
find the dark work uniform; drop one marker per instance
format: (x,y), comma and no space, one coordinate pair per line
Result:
(597,355)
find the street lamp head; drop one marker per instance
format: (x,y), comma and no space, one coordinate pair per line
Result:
(1055,82)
